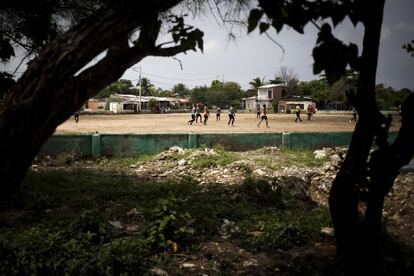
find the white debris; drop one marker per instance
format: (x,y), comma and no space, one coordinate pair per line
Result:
(188,265)
(259,172)
(335,157)
(320,154)
(117,224)
(182,162)
(329,231)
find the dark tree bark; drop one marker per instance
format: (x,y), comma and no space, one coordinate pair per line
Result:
(54,85)
(357,180)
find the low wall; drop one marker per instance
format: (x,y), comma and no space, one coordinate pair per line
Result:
(135,144)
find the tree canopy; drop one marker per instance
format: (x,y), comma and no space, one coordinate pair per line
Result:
(60,38)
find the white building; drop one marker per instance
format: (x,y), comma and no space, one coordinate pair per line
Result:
(269,92)
(122,103)
(265,95)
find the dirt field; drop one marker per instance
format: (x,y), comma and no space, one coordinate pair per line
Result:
(167,123)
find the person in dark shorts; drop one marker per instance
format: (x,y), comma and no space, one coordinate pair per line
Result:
(206,114)
(297,112)
(193,115)
(263,117)
(354,115)
(232,112)
(76,115)
(198,113)
(310,111)
(218,112)
(258,111)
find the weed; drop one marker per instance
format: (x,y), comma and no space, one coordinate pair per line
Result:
(276,229)
(217,158)
(43,251)
(170,228)
(262,191)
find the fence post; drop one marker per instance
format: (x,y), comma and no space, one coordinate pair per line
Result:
(96,145)
(192,140)
(286,140)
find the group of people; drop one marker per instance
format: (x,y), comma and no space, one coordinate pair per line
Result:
(196,114)
(310,110)
(261,114)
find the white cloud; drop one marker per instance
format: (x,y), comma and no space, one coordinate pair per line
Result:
(404,26)
(385,34)
(210,45)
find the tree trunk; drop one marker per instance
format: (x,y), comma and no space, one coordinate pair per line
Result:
(351,179)
(54,86)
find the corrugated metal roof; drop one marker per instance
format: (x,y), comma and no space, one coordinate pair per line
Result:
(271,85)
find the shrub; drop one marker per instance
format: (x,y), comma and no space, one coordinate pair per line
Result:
(262,191)
(42,251)
(169,228)
(93,222)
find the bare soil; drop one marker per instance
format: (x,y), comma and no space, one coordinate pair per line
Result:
(167,123)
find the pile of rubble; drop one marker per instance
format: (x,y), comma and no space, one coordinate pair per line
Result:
(315,182)
(176,163)
(321,181)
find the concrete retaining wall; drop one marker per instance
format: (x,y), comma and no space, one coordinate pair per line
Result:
(134,144)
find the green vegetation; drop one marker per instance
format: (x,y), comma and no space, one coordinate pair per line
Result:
(220,157)
(95,216)
(68,217)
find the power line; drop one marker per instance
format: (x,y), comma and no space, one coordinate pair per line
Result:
(178,79)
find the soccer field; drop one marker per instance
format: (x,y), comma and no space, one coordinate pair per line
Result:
(177,123)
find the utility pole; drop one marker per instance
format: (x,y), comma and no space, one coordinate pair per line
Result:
(222,78)
(140,86)
(140,89)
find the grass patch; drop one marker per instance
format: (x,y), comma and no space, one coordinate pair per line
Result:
(72,160)
(208,159)
(62,218)
(284,157)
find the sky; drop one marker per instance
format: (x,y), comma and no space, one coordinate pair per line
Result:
(255,55)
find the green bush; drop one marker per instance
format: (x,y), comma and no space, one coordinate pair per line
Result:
(38,251)
(262,191)
(93,222)
(220,158)
(169,228)
(284,230)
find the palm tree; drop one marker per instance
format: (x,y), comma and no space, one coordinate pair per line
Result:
(146,86)
(277,80)
(256,83)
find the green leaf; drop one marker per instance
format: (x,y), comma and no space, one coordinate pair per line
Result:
(263,27)
(254,17)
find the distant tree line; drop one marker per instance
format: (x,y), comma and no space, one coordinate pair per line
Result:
(228,93)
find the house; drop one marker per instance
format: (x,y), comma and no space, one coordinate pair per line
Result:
(250,103)
(95,105)
(265,95)
(289,103)
(123,103)
(269,92)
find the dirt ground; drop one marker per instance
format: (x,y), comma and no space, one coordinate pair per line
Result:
(167,123)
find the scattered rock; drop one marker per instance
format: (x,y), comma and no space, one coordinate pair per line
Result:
(188,265)
(182,162)
(158,271)
(177,149)
(132,212)
(335,157)
(328,231)
(227,229)
(116,224)
(259,172)
(251,262)
(320,154)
